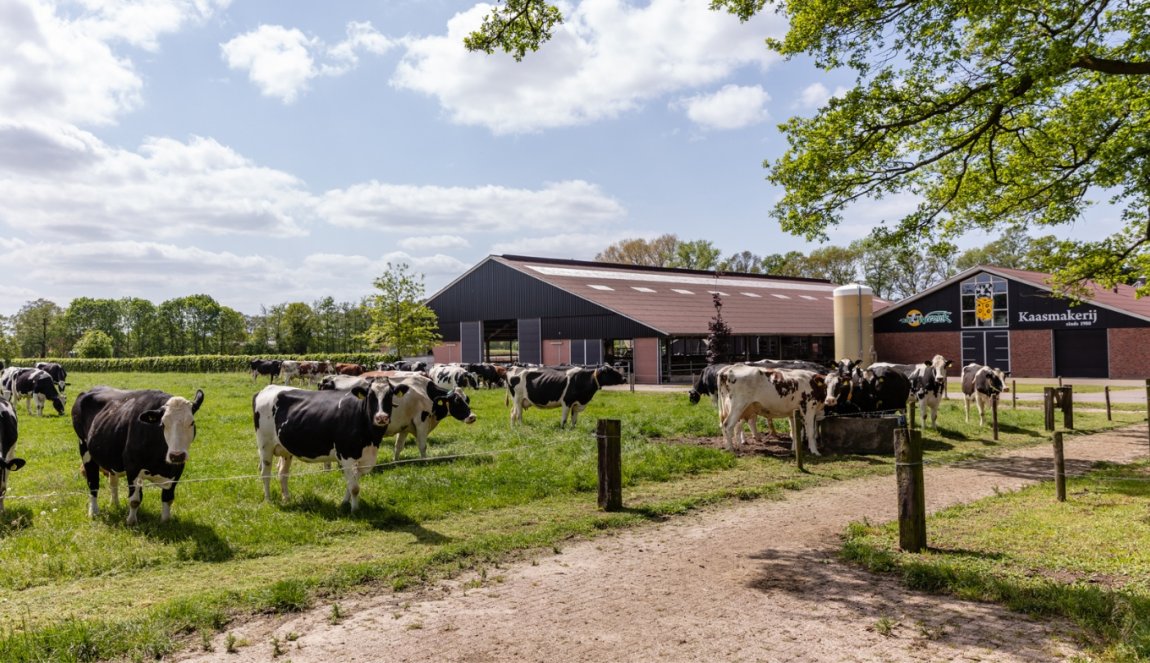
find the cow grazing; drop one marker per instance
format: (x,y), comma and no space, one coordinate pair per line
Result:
(571,389)
(8,434)
(489,374)
(32,384)
(57,372)
(746,392)
(926,388)
(323,426)
(141,434)
(268,367)
(450,376)
(425,405)
(981,384)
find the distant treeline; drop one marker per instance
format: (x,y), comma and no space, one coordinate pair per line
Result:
(192,363)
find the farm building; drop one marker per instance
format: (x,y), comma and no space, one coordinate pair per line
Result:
(1009,319)
(550,311)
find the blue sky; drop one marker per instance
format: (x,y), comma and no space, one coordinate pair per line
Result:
(269,151)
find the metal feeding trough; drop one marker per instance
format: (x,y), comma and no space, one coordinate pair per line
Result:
(859,435)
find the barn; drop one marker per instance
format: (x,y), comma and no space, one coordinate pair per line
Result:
(652,320)
(1010,319)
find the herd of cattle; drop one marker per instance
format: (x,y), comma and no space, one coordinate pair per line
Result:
(145,435)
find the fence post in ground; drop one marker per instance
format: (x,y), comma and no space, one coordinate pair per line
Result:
(1048,407)
(994,415)
(1059,468)
(911,493)
(608,435)
(1067,402)
(1059,380)
(1013,395)
(910,406)
(1148,403)
(797,437)
(1107,390)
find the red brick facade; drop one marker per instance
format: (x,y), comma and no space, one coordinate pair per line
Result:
(1031,353)
(646,361)
(915,347)
(1129,352)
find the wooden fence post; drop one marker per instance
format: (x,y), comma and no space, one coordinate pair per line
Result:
(1107,390)
(1067,402)
(910,417)
(1013,395)
(610,465)
(797,437)
(911,494)
(1048,407)
(1059,468)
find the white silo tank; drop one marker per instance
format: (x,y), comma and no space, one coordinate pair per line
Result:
(854,322)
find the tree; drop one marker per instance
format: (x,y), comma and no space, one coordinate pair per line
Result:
(401,322)
(743,262)
(658,252)
(718,334)
(896,272)
(698,254)
(139,323)
(95,343)
(298,327)
(836,264)
(792,263)
(990,114)
(85,313)
(37,329)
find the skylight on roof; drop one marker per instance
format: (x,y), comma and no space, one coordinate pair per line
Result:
(641,288)
(682,292)
(599,287)
(775,294)
(751,294)
(718,292)
(813,299)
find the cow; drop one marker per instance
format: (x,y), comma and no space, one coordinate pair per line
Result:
(926,388)
(425,405)
(289,370)
(982,384)
(384,366)
(268,367)
(938,363)
(56,371)
(798,364)
(349,369)
(754,391)
(851,390)
(571,389)
(341,382)
(8,435)
(707,384)
(416,365)
(323,426)
(142,434)
(33,384)
(489,374)
(450,376)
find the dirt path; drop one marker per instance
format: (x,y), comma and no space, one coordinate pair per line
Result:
(754,581)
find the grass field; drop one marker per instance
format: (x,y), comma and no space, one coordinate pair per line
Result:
(80,589)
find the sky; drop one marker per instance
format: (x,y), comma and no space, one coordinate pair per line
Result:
(264,152)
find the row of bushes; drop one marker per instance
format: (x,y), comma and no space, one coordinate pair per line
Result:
(192,363)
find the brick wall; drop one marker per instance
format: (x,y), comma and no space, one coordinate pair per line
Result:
(1129,353)
(646,361)
(556,352)
(1032,353)
(915,347)
(446,353)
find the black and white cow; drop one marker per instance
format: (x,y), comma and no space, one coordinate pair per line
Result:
(32,384)
(852,390)
(571,389)
(981,384)
(56,371)
(939,363)
(268,367)
(9,432)
(323,426)
(746,392)
(489,374)
(707,384)
(142,434)
(341,382)
(405,365)
(927,388)
(425,405)
(450,376)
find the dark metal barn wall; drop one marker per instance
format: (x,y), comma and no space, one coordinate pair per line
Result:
(530,342)
(471,342)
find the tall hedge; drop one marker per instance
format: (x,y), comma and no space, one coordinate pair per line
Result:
(192,363)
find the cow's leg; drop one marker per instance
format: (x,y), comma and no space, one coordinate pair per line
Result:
(114,489)
(421,438)
(728,421)
(575,410)
(810,423)
(167,496)
(284,473)
(135,495)
(566,413)
(266,472)
(967,398)
(400,440)
(350,467)
(92,474)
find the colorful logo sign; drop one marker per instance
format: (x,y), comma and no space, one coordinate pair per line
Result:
(915,318)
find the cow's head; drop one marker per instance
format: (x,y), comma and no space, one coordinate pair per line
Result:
(990,381)
(607,376)
(840,385)
(381,397)
(456,404)
(924,381)
(178,421)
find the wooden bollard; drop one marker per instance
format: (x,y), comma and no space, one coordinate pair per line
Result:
(610,446)
(911,493)
(1066,399)
(1059,468)
(910,406)
(1013,395)
(797,438)
(1107,390)
(994,416)
(1048,407)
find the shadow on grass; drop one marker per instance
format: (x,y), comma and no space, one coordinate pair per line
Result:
(1034,469)
(380,517)
(194,541)
(14,520)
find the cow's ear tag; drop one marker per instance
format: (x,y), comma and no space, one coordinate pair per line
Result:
(151,417)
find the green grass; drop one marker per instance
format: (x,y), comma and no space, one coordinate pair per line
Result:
(1087,559)
(81,589)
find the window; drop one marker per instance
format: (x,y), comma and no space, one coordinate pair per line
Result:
(984,302)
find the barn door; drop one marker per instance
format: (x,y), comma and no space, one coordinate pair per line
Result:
(530,341)
(990,348)
(1081,353)
(471,342)
(973,348)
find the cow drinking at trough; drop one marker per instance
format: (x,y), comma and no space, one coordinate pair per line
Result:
(32,384)
(323,426)
(981,384)
(8,434)
(571,389)
(141,434)
(851,390)
(751,391)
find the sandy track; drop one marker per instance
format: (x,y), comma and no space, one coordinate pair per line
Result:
(754,581)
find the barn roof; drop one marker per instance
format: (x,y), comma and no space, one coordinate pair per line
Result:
(679,301)
(1122,298)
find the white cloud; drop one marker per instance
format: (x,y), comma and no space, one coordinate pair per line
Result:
(608,58)
(61,180)
(732,107)
(433,242)
(56,67)
(381,206)
(816,95)
(281,61)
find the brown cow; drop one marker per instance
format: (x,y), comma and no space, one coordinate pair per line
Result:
(350,369)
